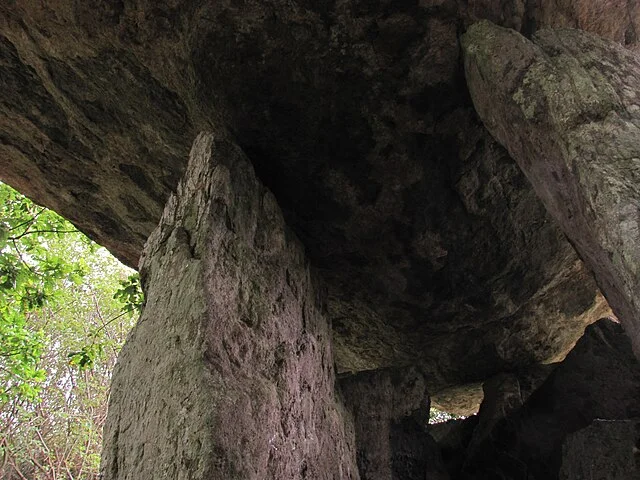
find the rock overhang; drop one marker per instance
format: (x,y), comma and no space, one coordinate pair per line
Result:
(432,245)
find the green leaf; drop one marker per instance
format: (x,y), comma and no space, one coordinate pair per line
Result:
(85,358)
(130,294)
(4,234)
(57,308)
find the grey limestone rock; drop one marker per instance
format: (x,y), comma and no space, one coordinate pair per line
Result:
(433,247)
(390,409)
(599,379)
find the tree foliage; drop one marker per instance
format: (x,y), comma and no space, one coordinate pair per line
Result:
(66,306)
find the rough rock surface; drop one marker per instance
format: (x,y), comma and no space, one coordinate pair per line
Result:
(453,437)
(434,249)
(599,379)
(567,108)
(229,372)
(391,410)
(433,246)
(463,400)
(617,20)
(606,449)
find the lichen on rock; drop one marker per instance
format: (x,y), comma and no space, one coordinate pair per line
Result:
(578,149)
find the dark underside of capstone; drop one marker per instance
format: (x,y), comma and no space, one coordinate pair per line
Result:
(411,252)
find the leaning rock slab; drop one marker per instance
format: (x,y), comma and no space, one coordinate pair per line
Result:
(567,108)
(229,372)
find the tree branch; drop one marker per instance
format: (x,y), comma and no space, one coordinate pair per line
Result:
(29,232)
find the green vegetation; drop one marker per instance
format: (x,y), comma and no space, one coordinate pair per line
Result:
(66,306)
(438,416)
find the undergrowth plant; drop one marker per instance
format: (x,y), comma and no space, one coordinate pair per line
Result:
(66,306)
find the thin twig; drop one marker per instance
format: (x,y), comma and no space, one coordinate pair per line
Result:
(15,245)
(29,232)
(30,221)
(17,470)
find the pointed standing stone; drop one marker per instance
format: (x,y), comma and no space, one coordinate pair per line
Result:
(229,373)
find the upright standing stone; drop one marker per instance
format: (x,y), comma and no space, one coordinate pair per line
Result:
(229,372)
(391,411)
(598,380)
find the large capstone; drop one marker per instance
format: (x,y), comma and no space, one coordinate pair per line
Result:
(432,245)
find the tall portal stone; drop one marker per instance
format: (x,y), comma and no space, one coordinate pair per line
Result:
(229,372)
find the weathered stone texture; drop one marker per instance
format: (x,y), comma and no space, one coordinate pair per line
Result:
(503,394)
(229,372)
(605,450)
(453,438)
(616,20)
(434,249)
(566,106)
